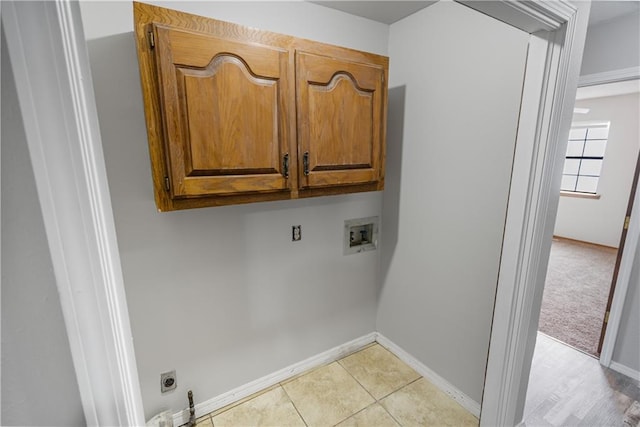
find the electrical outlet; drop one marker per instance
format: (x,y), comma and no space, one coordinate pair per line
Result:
(296,233)
(168,381)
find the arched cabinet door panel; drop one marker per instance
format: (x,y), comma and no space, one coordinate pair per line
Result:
(340,108)
(224,112)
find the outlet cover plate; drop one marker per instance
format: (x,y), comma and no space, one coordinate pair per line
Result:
(296,233)
(168,381)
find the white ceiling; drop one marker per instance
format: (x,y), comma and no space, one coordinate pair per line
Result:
(389,12)
(386,12)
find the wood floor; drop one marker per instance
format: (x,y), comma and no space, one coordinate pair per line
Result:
(570,388)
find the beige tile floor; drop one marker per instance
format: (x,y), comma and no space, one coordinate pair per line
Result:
(369,388)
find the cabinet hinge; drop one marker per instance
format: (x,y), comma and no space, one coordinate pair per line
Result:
(166,183)
(606,317)
(152,39)
(627,220)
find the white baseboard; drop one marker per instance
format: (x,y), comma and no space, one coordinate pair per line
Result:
(215,403)
(625,370)
(465,401)
(267,381)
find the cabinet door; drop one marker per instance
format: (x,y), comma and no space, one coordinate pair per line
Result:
(224,107)
(340,106)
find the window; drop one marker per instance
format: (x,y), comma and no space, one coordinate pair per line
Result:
(585,153)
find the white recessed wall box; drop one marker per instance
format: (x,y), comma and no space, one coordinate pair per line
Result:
(360,235)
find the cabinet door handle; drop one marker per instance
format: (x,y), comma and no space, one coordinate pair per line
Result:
(305,163)
(285,166)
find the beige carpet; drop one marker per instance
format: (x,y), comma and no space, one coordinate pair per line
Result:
(576,292)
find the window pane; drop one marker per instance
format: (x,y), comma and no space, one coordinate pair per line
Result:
(595,148)
(591,167)
(578,133)
(587,184)
(574,148)
(598,133)
(571,166)
(568,183)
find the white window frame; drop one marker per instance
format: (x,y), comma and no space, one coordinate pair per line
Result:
(575,192)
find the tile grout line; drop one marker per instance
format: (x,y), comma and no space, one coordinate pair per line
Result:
(391,392)
(359,383)
(294,404)
(356,413)
(391,415)
(376,401)
(404,386)
(242,401)
(363,387)
(401,387)
(202,418)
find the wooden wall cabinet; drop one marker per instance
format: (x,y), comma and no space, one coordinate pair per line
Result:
(239,115)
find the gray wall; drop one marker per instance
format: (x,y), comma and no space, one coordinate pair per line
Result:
(221,294)
(38,380)
(600,220)
(442,234)
(627,349)
(601,55)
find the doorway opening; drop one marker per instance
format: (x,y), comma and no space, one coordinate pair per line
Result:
(598,187)
(576,293)
(567,383)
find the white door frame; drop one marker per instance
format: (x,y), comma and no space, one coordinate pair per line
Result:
(553,67)
(622,285)
(633,233)
(51,67)
(50,62)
